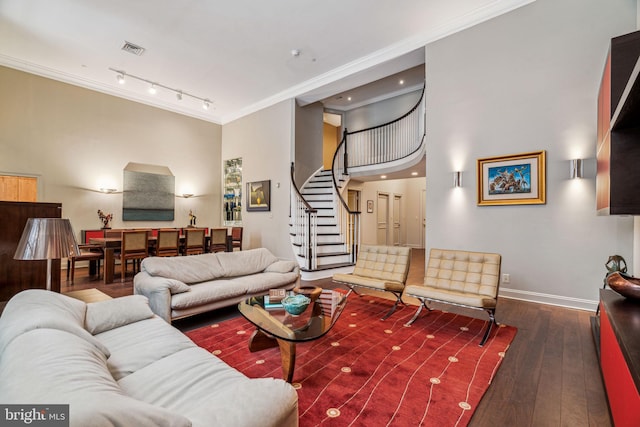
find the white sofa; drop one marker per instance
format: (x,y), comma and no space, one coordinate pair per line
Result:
(182,286)
(117,364)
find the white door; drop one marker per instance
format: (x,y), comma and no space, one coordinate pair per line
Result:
(382,218)
(397,199)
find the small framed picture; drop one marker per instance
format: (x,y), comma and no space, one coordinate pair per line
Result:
(369,206)
(517,179)
(259,195)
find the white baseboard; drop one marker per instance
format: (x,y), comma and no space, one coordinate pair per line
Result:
(550,299)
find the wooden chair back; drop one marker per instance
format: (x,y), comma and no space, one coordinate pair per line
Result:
(168,243)
(135,242)
(218,240)
(194,241)
(236,237)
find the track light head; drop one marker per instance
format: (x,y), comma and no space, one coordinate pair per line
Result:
(120,78)
(152,89)
(179,95)
(205,104)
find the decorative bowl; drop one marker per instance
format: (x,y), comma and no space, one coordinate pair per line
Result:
(312,292)
(295,304)
(625,285)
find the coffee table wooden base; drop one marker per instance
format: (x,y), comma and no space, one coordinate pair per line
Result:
(261,341)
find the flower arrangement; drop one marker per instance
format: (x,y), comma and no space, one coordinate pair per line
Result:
(105,218)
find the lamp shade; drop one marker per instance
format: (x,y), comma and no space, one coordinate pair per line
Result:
(47,238)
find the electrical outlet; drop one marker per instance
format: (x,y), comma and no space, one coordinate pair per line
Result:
(506,278)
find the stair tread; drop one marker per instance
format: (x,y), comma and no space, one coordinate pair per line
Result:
(329,266)
(324,255)
(321,244)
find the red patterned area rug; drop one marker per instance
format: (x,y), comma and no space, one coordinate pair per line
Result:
(368,372)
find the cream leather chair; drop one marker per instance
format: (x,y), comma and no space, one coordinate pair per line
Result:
(462,278)
(382,268)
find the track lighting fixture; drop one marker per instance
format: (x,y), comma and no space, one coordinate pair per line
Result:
(154,86)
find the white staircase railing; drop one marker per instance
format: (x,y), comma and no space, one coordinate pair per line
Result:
(304,226)
(371,148)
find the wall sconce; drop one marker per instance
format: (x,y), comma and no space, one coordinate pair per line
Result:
(457,179)
(576,169)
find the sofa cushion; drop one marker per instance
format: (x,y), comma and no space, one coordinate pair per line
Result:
(206,292)
(177,287)
(262,282)
(62,368)
(203,388)
(243,263)
(139,344)
(186,269)
(37,308)
(282,266)
(105,315)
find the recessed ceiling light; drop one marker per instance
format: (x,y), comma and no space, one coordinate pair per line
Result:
(295,52)
(401,82)
(383,176)
(414,173)
(349,99)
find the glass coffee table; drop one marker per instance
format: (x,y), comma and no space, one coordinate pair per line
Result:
(276,327)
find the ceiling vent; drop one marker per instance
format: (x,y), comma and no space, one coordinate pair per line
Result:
(133,48)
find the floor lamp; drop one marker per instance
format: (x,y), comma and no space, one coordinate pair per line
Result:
(47,238)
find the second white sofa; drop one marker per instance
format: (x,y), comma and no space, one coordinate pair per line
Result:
(182,286)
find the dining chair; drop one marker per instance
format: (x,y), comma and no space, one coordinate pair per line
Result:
(236,238)
(135,247)
(88,252)
(218,240)
(168,243)
(194,241)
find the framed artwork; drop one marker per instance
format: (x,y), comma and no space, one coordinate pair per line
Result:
(148,193)
(259,195)
(369,206)
(517,179)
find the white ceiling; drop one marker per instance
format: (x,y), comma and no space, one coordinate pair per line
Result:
(235,53)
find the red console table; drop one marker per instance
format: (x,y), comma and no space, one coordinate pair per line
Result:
(620,356)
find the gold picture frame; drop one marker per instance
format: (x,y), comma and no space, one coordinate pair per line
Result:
(517,179)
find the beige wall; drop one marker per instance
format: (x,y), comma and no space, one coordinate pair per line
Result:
(264,140)
(77,140)
(524,81)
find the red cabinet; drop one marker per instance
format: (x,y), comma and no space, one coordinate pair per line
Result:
(620,356)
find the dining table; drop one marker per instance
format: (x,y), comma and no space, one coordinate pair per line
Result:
(110,245)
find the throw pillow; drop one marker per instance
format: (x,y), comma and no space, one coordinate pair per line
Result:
(105,315)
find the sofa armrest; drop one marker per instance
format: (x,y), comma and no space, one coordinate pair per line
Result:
(157,290)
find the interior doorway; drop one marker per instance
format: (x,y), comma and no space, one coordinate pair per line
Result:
(18,188)
(331,134)
(382,218)
(397,215)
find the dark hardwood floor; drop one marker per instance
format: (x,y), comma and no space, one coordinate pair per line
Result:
(550,375)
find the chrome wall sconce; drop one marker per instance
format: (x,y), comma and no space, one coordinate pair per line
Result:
(457,179)
(577,170)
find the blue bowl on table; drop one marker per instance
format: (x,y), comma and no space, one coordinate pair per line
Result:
(295,304)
